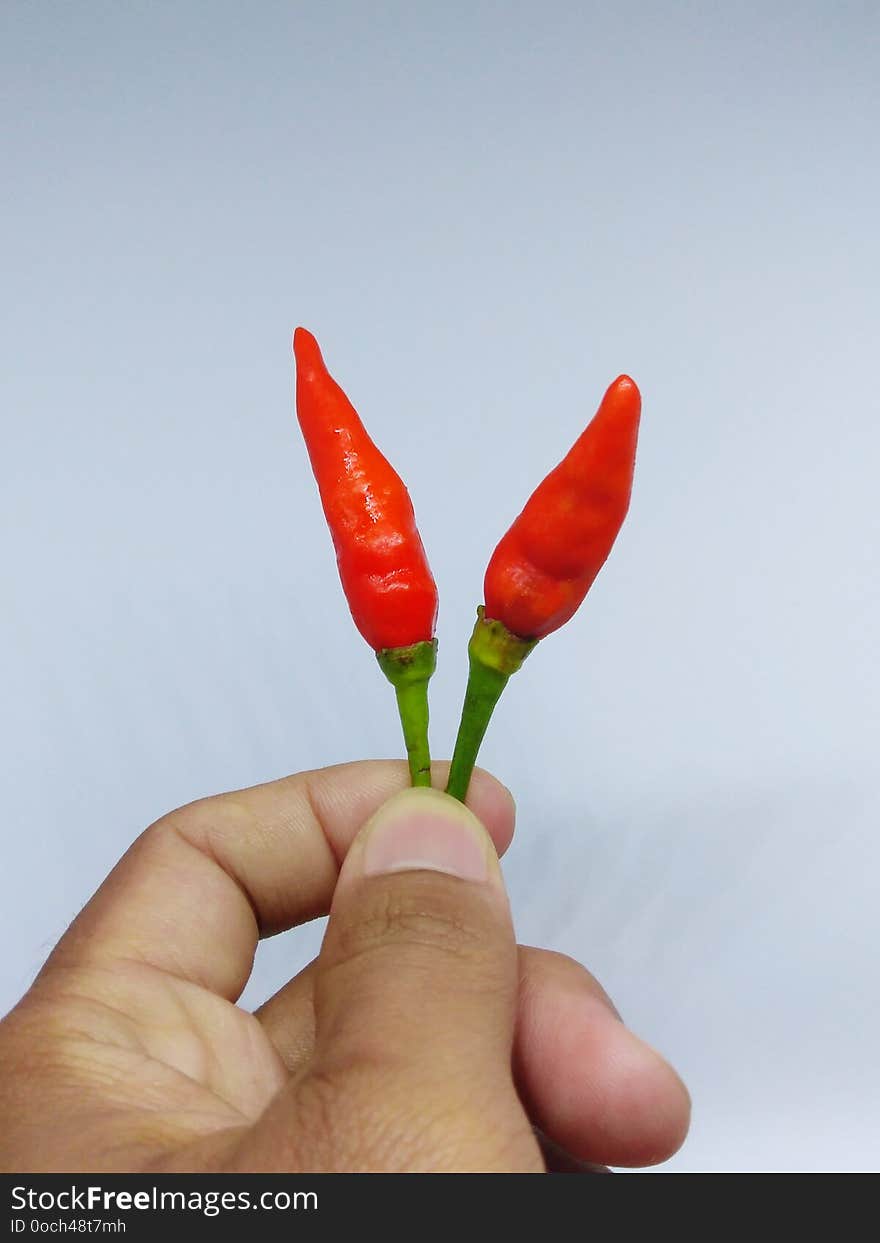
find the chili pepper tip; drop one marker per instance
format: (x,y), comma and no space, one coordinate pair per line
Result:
(306,351)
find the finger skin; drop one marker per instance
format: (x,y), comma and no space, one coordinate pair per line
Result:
(558,1161)
(598,1091)
(415,997)
(288,1016)
(199,888)
(593,1094)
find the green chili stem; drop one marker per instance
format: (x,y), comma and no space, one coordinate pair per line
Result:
(484,689)
(412,703)
(409,670)
(494,654)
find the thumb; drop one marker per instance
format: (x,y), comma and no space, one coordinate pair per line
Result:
(419,961)
(415,997)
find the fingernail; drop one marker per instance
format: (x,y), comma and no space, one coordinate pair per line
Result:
(424,830)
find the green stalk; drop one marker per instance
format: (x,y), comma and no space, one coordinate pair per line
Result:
(409,670)
(494,654)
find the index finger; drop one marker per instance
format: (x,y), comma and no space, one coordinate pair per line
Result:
(196,891)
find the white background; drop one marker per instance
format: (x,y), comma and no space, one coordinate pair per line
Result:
(485,211)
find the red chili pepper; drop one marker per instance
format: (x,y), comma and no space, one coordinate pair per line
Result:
(544,566)
(546,563)
(382,563)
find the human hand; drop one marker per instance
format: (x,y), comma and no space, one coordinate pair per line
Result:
(420,1039)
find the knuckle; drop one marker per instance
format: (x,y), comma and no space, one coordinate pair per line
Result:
(421,916)
(197,823)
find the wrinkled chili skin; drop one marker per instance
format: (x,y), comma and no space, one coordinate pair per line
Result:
(546,563)
(382,563)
